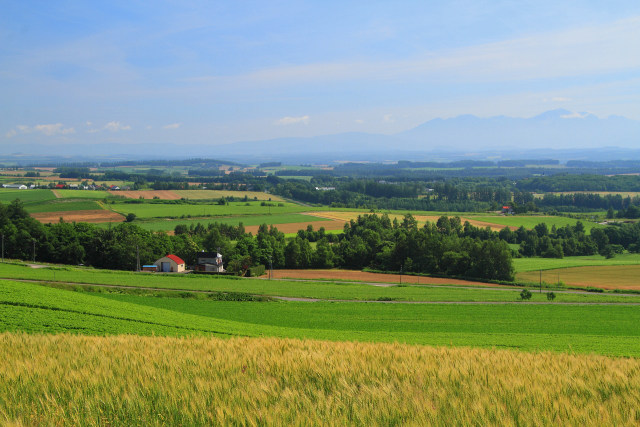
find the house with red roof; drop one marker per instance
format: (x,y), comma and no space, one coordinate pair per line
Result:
(170,264)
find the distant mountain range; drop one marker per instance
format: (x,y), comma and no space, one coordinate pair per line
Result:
(559,134)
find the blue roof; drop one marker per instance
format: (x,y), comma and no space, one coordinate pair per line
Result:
(152,265)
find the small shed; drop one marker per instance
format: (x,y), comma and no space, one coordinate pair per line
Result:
(151,267)
(170,264)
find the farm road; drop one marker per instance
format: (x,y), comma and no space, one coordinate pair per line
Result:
(300,299)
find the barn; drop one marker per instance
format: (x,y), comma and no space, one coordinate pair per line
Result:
(170,264)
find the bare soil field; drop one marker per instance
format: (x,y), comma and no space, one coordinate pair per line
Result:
(147,194)
(293,227)
(624,277)
(94,216)
(363,276)
(422,219)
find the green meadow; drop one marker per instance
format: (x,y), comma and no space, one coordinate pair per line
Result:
(171,210)
(275,219)
(534,264)
(602,329)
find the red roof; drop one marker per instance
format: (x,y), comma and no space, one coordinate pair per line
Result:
(175,258)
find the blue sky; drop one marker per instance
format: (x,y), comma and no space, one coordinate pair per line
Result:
(203,72)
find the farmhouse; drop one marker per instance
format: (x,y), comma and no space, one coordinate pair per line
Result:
(209,262)
(170,264)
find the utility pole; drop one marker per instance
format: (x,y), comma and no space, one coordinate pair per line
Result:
(137,258)
(401,274)
(540,281)
(270,268)
(3,248)
(34,250)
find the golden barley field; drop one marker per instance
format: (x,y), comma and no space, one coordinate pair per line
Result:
(132,380)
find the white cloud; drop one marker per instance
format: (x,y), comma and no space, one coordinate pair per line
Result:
(293,120)
(560,99)
(388,118)
(48,130)
(359,121)
(172,126)
(116,126)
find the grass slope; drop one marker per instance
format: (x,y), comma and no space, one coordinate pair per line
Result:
(62,205)
(26,196)
(610,330)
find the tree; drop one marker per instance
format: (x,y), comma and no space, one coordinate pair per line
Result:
(130,217)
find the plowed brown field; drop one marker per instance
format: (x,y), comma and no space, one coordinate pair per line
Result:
(363,276)
(605,277)
(95,216)
(150,194)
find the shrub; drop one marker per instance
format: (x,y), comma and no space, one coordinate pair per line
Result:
(525,294)
(551,296)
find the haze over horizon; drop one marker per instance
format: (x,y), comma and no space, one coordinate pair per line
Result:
(125,73)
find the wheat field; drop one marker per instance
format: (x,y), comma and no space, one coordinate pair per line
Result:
(132,380)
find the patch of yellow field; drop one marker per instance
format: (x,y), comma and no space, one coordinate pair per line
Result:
(605,277)
(133,380)
(216,194)
(421,219)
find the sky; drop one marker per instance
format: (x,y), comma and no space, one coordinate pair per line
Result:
(216,72)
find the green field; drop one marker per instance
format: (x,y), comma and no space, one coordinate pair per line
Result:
(275,219)
(62,205)
(157,210)
(26,196)
(534,264)
(296,289)
(610,330)
(83,194)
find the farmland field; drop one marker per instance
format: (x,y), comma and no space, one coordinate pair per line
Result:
(268,381)
(333,290)
(157,210)
(421,219)
(62,205)
(623,277)
(532,220)
(25,196)
(604,329)
(82,194)
(216,194)
(92,216)
(248,221)
(535,264)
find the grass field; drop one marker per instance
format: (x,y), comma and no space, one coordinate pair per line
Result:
(536,264)
(26,196)
(331,289)
(82,194)
(603,329)
(62,205)
(250,220)
(203,381)
(155,210)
